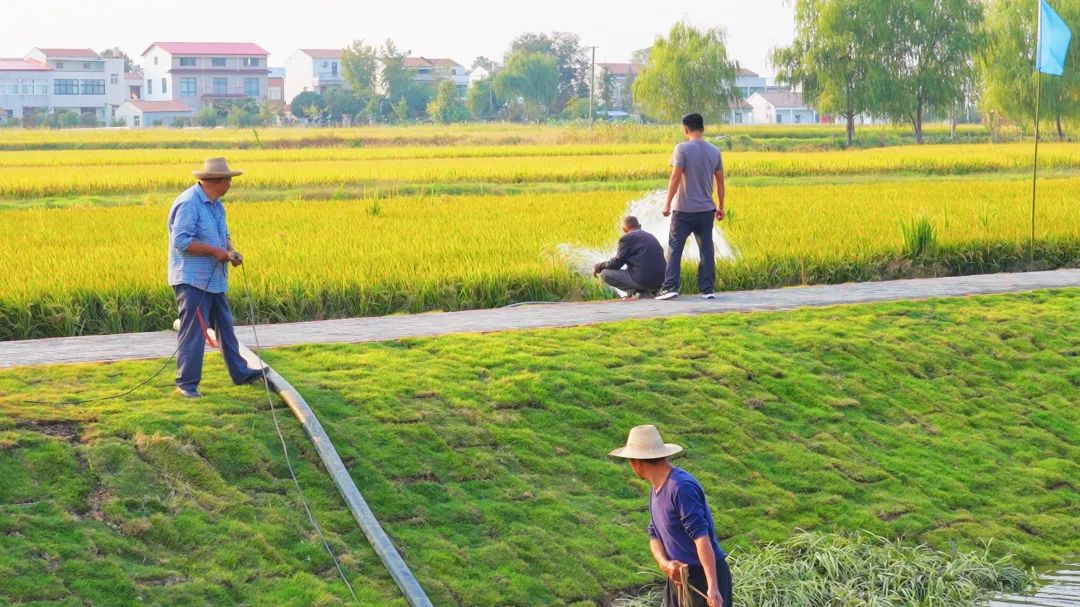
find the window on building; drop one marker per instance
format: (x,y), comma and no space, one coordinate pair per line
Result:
(798,118)
(251,87)
(188,87)
(155,60)
(86,66)
(64,86)
(93,87)
(779,119)
(218,62)
(11,89)
(114,79)
(42,87)
(136,120)
(59,65)
(325,64)
(187,62)
(275,94)
(251,62)
(221,86)
(333,68)
(164,86)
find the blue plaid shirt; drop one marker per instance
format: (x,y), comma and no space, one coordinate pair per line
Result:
(195,218)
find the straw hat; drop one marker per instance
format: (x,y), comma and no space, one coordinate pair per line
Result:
(215,168)
(644,442)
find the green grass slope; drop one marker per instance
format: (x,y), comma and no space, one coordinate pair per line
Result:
(947,422)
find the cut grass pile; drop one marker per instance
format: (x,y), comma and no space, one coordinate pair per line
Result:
(944,422)
(100,270)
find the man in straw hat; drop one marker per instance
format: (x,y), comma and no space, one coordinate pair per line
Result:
(200,250)
(682,536)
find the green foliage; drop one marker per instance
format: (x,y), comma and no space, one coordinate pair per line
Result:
(834,58)
(1007,65)
(689,71)
(394,78)
(481,100)
(360,67)
(401,109)
(308,105)
(88,120)
(530,79)
(919,238)
(929,54)
(576,109)
(446,107)
(572,62)
(342,102)
(67,119)
(241,118)
(206,116)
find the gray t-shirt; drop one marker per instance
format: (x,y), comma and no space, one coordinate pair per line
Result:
(699,161)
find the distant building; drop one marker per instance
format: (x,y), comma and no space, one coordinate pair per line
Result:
(741,113)
(781,107)
(749,82)
(134,82)
(433,71)
(141,114)
(275,85)
(201,73)
(316,70)
(622,79)
(56,79)
(477,74)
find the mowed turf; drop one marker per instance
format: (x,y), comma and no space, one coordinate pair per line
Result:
(951,422)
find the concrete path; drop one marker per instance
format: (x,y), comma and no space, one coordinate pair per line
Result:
(103,348)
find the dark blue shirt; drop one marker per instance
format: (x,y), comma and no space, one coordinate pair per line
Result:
(680,515)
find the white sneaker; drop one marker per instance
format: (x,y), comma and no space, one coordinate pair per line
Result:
(708,295)
(665,294)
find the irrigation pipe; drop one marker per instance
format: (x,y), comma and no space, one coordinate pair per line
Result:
(374,532)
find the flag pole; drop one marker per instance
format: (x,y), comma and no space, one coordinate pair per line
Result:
(1035,167)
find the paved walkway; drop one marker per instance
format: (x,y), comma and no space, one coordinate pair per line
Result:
(103,348)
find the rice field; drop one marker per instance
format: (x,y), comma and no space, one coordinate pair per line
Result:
(101,270)
(29,174)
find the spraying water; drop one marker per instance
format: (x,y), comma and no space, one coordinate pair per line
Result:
(648,211)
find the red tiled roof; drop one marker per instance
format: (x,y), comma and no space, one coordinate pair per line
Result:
(322,53)
(209,48)
(416,62)
(23,65)
(445,62)
(133,76)
(747,73)
(621,69)
(70,53)
(150,107)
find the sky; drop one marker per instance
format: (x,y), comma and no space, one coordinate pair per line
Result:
(460,30)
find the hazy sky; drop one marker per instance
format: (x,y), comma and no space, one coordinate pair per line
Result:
(461,29)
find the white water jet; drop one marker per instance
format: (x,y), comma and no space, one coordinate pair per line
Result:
(647,209)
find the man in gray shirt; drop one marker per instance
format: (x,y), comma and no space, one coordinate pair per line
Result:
(695,164)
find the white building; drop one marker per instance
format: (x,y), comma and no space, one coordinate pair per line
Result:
(622,79)
(477,74)
(741,113)
(142,114)
(749,82)
(312,69)
(781,107)
(201,73)
(275,89)
(52,80)
(433,71)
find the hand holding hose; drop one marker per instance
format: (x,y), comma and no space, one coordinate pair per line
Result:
(235,258)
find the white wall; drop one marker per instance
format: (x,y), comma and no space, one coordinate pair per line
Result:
(299,75)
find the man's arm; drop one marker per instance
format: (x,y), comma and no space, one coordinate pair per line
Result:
(670,568)
(672,188)
(707,557)
(720,191)
(617,262)
(183,230)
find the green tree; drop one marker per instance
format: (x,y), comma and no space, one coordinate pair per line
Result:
(928,55)
(129,65)
(308,105)
(401,110)
(483,62)
(835,57)
(481,99)
(68,119)
(241,117)
(1007,65)
(395,78)
(572,61)
(532,79)
(446,108)
(360,67)
(206,116)
(689,71)
(607,90)
(576,109)
(342,102)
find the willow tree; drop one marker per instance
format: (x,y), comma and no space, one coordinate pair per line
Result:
(835,58)
(531,77)
(688,71)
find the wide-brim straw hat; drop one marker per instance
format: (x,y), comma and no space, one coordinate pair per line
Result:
(644,442)
(215,168)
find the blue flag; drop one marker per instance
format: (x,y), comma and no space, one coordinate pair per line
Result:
(1054,38)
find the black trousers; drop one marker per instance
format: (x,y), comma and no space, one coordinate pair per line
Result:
(697,580)
(682,226)
(620,279)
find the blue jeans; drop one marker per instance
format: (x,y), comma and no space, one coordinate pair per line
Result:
(216,314)
(682,226)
